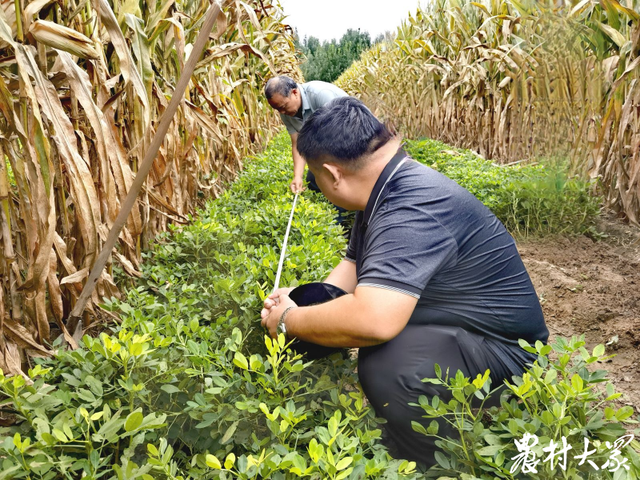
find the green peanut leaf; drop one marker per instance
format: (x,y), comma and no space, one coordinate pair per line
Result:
(133,421)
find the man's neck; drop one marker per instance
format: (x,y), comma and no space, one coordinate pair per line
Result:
(366,178)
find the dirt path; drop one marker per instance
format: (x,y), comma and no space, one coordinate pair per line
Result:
(594,288)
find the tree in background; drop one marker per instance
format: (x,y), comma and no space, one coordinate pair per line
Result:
(326,61)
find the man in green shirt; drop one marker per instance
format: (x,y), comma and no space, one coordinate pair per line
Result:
(296,103)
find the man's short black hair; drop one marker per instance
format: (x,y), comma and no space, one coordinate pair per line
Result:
(345,130)
(281,85)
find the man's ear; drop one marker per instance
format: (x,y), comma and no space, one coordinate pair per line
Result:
(335,171)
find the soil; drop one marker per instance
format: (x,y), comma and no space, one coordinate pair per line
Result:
(592,287)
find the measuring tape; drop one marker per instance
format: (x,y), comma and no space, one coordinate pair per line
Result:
(284,245)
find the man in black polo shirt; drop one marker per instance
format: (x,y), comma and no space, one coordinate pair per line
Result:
(432,275)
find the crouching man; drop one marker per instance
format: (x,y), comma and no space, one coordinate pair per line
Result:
(432,276)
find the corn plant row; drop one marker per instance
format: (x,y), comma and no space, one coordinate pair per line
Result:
(516,81)
(83,87)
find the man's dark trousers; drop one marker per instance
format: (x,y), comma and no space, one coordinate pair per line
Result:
(391,376)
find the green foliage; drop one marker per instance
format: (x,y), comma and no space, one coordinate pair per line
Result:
(328,60)
(187,385)
(553,400)
(528,199)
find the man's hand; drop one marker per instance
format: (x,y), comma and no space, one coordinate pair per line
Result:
(274,305)
(273,299)
(297,185)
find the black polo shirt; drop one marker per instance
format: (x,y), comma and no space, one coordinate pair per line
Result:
(423,235)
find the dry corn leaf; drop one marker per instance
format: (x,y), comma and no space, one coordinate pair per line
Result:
(22,337)
(120,45)
(63,38)
(76,277)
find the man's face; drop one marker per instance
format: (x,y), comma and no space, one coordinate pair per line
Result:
(287,105)
(333,185)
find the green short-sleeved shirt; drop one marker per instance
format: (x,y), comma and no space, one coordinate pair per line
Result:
(314,95)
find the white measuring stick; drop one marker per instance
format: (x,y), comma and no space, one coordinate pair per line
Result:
(284,245)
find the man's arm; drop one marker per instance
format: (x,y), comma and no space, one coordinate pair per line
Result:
(344,276)
(297,184)
(369,316)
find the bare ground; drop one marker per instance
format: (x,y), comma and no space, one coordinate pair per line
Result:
(593,288)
